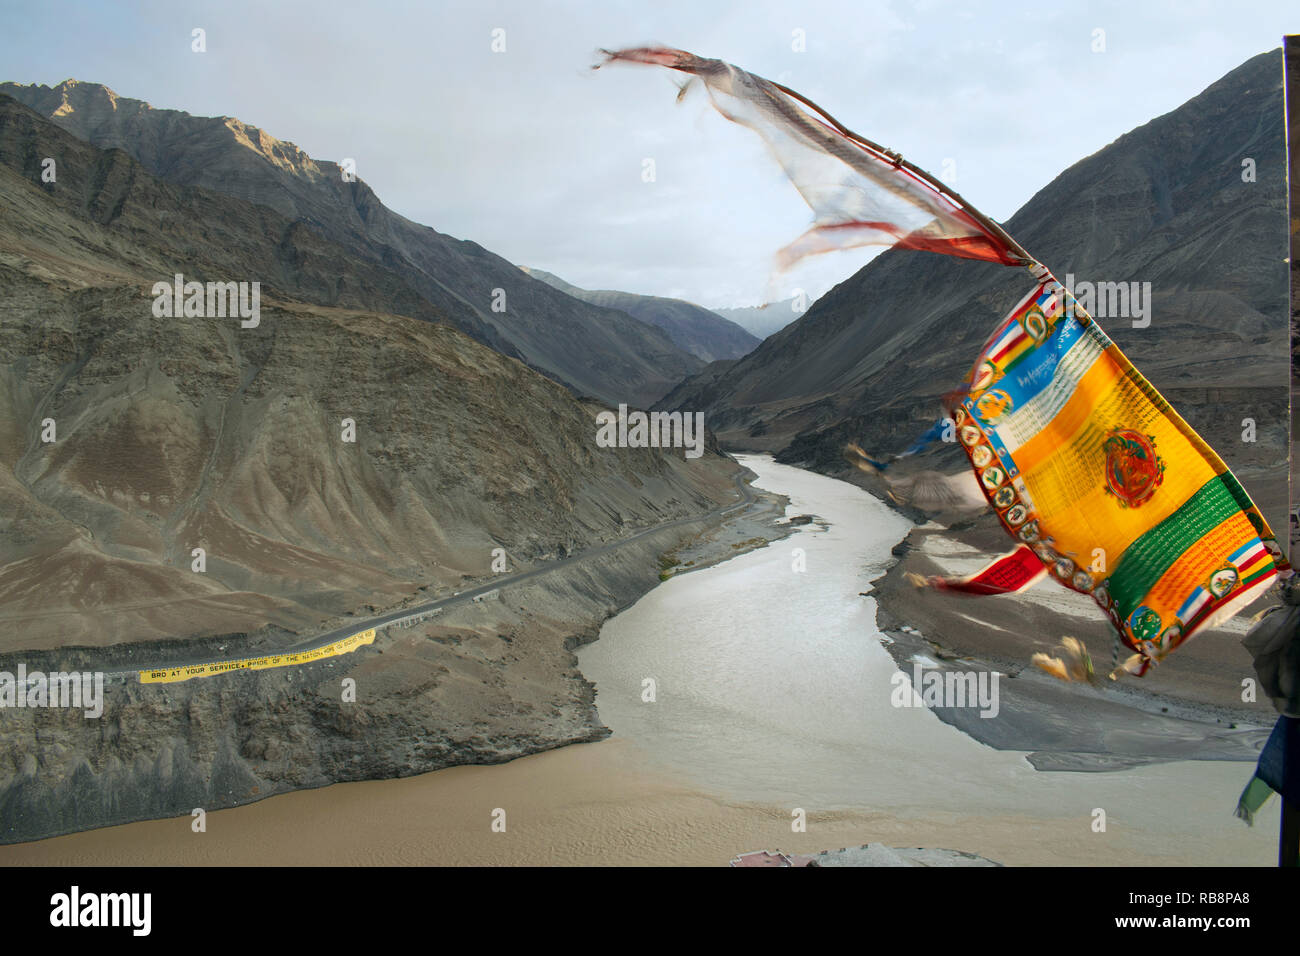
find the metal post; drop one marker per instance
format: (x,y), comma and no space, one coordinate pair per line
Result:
(1288,853)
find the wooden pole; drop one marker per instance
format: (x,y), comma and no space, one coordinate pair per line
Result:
(1288,853)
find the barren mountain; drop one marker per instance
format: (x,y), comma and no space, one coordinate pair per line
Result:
(598,352)
(1193,202)
(704,334)
(175,433)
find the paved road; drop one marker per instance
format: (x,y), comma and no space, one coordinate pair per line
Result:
(747,498)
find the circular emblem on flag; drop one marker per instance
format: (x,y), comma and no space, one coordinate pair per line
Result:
(992,477)
(993,404)
(1064,568)
(969,435)
(1273,549)
(1101,594)
(1005,496)
(1035,324)
(1029,532)
(1083,581)
(1016,515)
(984,376)
(981,455)
(1144,623)
(959,415)
(1133,469)
(1222,581)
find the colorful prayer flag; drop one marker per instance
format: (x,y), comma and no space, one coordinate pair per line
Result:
(1087,464)
(1009,574)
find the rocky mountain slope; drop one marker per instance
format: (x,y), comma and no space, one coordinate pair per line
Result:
(172,433)
(699,331)
(1169,203)
(598,352)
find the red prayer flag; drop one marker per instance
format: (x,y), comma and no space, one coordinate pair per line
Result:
(860,194)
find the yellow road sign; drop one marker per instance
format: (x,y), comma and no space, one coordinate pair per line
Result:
(172,675)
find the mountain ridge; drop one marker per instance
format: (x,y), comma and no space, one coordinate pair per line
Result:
(602,353)
(700,331)
(764,320)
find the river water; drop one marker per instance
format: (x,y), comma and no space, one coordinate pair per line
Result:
(772,694)
(772,685)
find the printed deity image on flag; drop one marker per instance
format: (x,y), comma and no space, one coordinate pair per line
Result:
(1090,468)
(1098,479)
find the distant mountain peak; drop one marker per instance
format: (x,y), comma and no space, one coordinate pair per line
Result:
(700,331)
(77,95)
(96,105)
(70,86)
(279,153)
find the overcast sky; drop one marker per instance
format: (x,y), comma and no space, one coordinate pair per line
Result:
(538,158)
